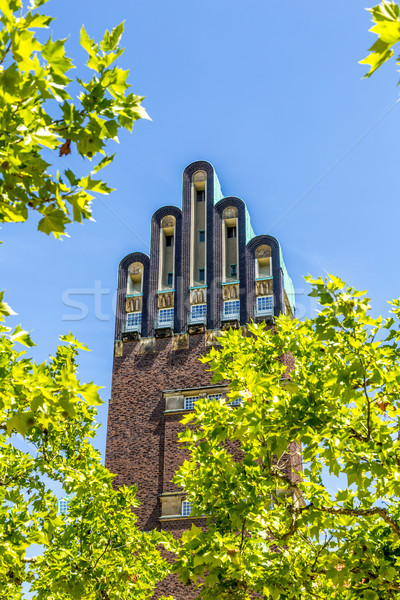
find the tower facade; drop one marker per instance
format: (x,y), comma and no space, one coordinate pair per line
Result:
(207,271)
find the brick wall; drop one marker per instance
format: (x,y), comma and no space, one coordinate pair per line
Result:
(142,445)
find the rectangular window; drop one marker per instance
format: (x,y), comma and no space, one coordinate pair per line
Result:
(186,508)
(198,312)
(231,308)
(215,396)
(231,232)
(265,305)
(236,402)
(190,402)
(202,235)
(166,316)
(201,275)
(169,240)
(234,271)
(133,321)
(170,279)
(200,195)
(63,505)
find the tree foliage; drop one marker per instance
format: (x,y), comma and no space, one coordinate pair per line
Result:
(334,532)
(95,550)
(386,19)
(47,416)
(38,118)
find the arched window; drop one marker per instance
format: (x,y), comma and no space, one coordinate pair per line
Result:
(263,261)
(198,246)
(230,250)
(167,253)
(135,279)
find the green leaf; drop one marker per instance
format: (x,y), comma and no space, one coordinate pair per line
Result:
(21,336)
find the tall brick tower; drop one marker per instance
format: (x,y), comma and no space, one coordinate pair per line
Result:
(207,271)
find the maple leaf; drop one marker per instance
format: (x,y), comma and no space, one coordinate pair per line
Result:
(65,148)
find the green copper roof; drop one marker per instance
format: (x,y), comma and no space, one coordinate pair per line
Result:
(287,282)
(218,195)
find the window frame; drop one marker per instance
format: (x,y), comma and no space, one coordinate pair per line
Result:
(202,236)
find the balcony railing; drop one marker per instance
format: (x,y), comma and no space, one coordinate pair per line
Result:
(126,328)
(197,320)
(264,312)
(164,323)
(231,315)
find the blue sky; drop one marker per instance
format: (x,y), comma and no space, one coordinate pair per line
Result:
(273,96)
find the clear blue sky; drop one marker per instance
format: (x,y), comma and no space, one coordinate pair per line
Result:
(272,95)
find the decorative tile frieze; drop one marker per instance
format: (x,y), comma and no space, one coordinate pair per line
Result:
(166,300)
(134,304)
(264,287)
(198,296)
(230,292)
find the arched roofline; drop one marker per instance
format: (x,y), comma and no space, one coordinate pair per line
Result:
(165,211)
(258,240)
(198,165)
(229,201)
(134,257)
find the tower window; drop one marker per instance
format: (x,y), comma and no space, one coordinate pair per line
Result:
(200,195)
(202,235)
(134,321)
(186,508)
(265,305)
(231,232)
(170,279)
(198,313)
(190,402)
(231,310)
(169,240)
(234,271)
(201,275)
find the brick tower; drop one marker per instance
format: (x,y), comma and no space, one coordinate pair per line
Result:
(207,271)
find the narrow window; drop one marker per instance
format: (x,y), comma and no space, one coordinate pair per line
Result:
(169,240)
(201,275)
(234,271)
(200,195)
(231,232)
(202,235)
(170,279)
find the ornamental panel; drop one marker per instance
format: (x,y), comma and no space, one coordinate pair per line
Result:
(198,296)
(166,300)
(134,304)
(264,287)
(263,251)
(230,212)
(230,292)
(167,222)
